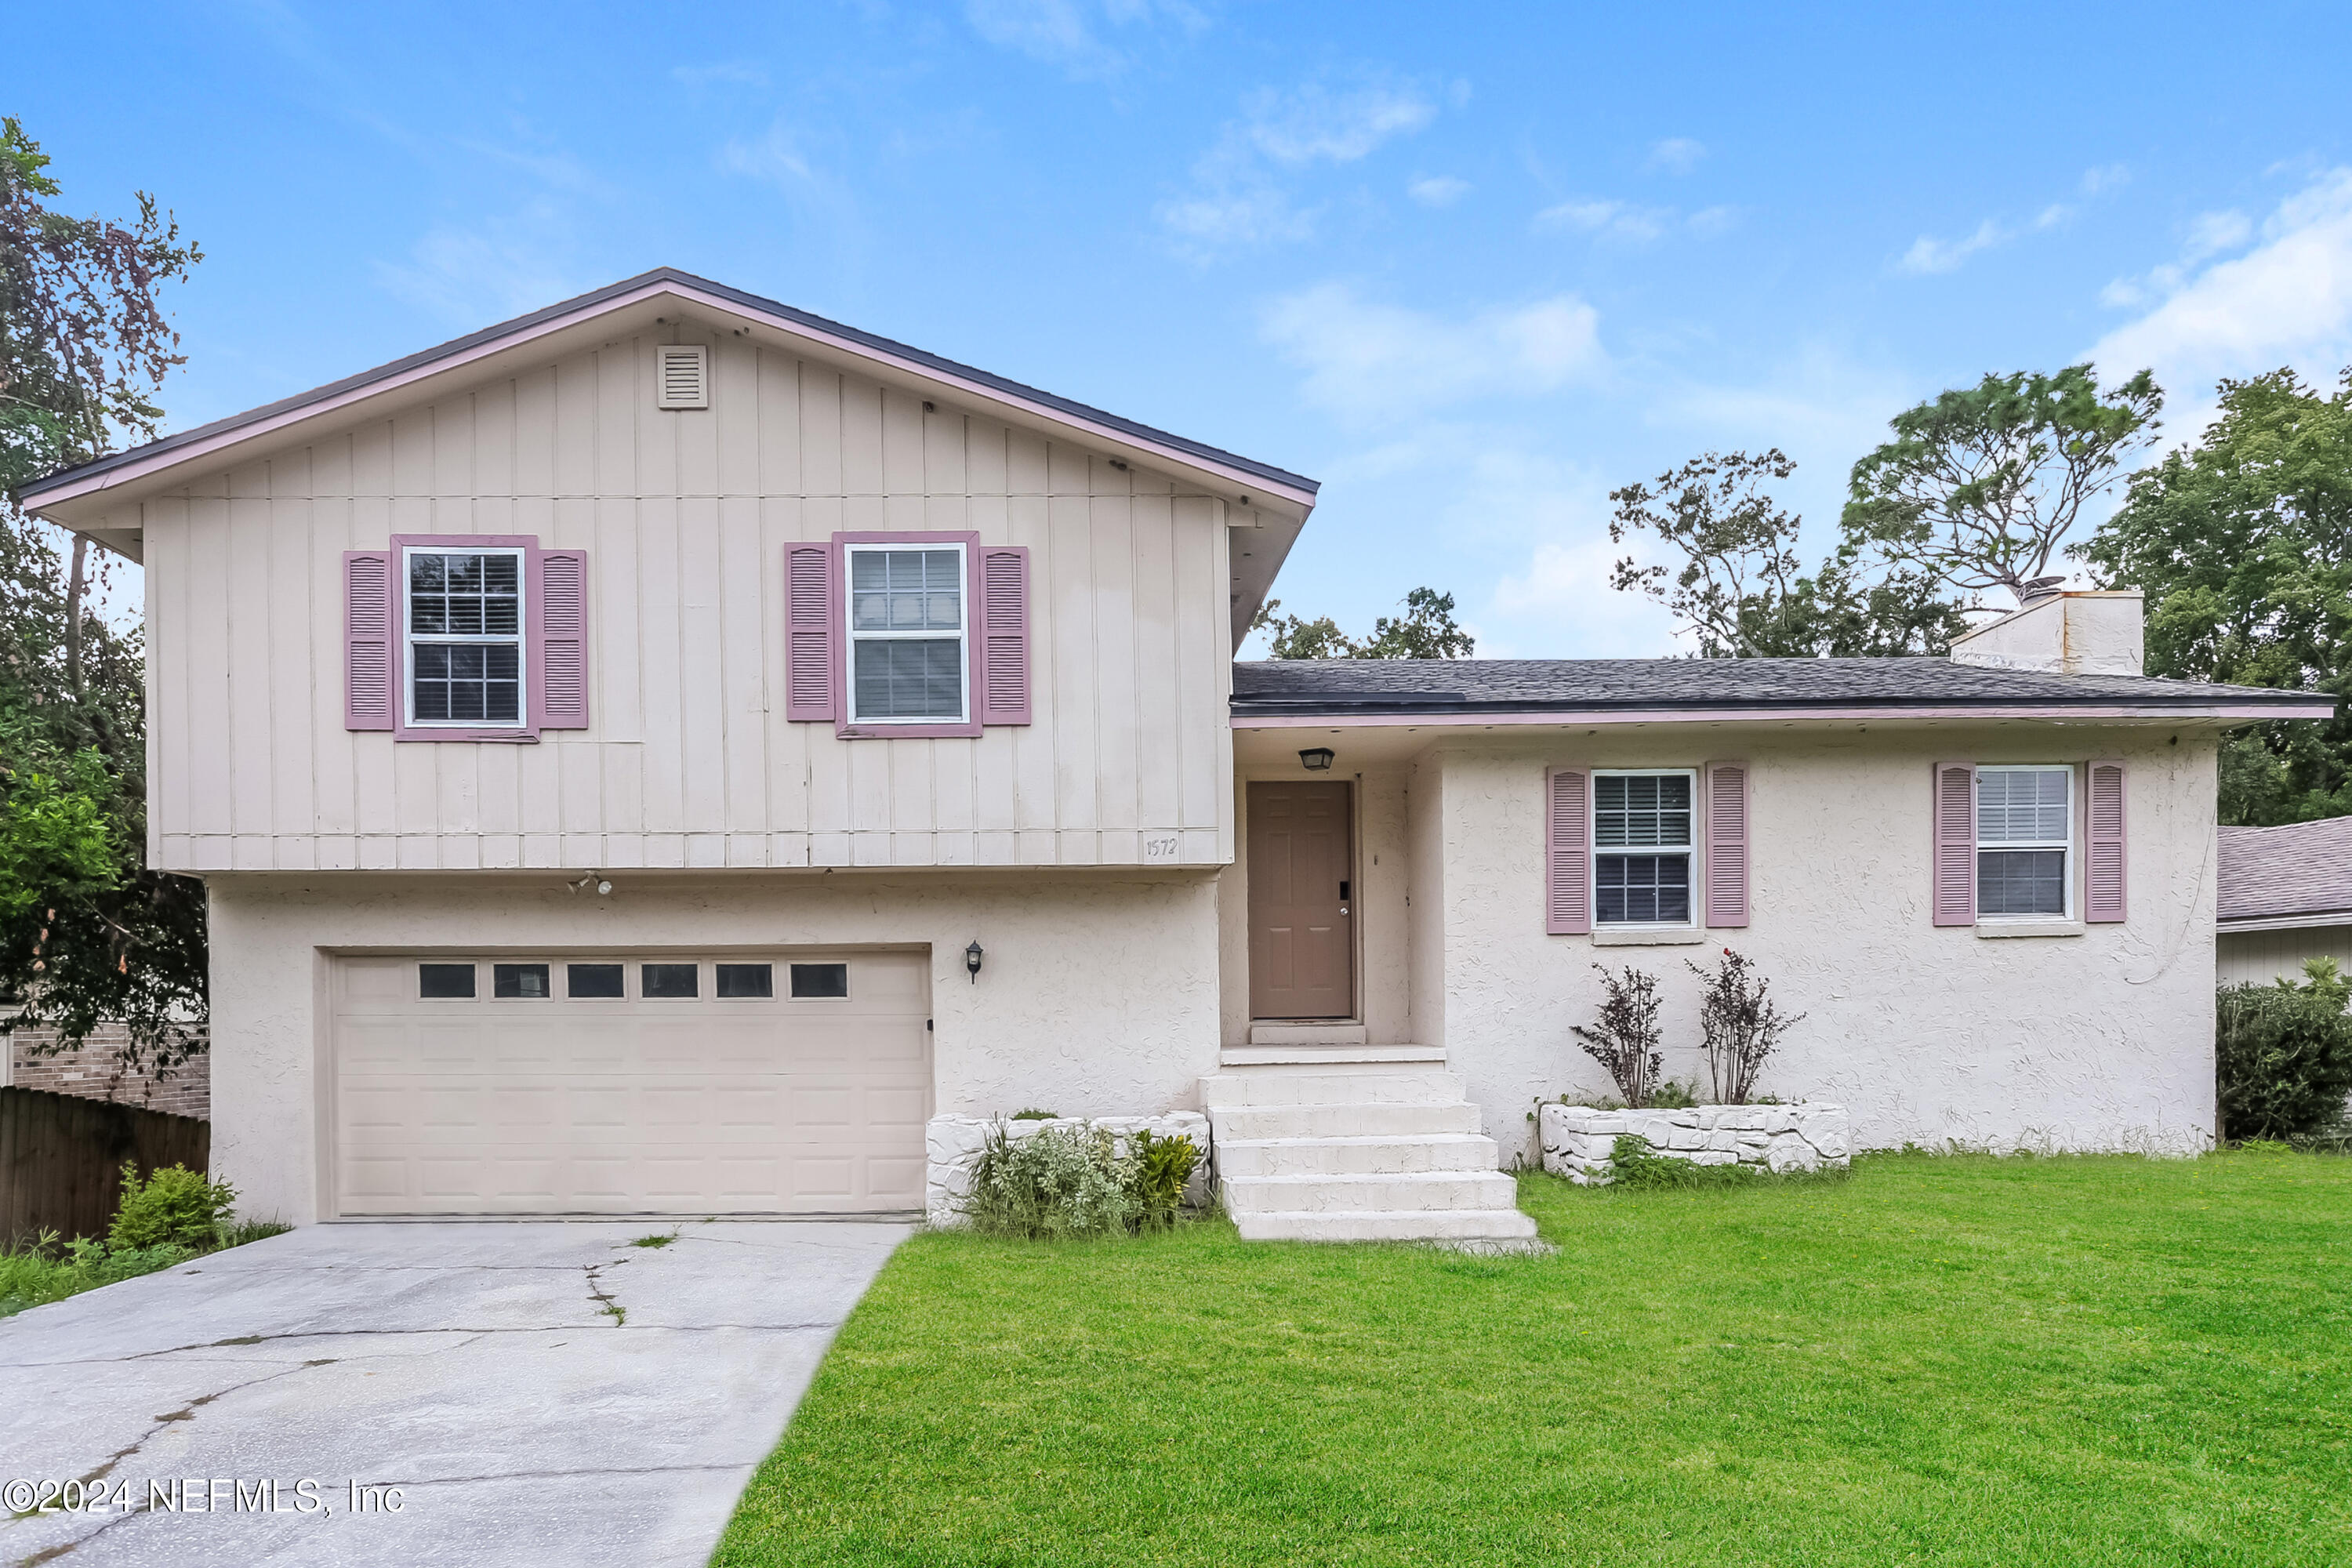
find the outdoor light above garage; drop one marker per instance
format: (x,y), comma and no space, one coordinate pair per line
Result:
(1316,759)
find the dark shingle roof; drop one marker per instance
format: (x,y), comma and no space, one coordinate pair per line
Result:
(628,285)
(2272,873)
(1342,688)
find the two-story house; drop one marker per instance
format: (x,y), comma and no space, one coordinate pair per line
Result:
(654,755)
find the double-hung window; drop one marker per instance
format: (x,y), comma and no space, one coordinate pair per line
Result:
(907,629)
(1642,827)
(463,636)
(2025,842)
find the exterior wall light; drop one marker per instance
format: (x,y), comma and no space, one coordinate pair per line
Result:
(972,957)
(1316,759)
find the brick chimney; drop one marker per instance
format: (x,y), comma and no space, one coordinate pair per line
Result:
(2095,632)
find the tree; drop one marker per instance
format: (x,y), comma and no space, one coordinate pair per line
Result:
(2243,545)
(1740,589)
(1980,486)
(88,933)
(1425,630)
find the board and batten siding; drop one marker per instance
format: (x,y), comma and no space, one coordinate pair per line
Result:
(2259,957)
(688,760)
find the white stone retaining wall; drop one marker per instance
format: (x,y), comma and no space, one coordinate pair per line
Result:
(952,1144)
(1579,1139)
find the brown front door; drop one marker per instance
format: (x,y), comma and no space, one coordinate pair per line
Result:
(1302,940)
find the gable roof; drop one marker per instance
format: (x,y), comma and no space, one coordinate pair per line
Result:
(169,451)
(2300,874)
(1280,691)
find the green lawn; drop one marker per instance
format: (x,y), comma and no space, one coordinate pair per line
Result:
(1940,1360)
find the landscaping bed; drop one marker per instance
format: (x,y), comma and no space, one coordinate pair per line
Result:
(1957,1360)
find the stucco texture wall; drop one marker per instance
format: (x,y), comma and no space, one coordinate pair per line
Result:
(2101,1040)
(1098,996)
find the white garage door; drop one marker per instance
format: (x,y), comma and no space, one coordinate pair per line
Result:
(631,1083)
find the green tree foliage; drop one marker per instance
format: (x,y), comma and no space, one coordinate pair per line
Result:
(88,934)
(1740,588)
(1980,485)
(1425,630)
(2283,1053)
(2243,546)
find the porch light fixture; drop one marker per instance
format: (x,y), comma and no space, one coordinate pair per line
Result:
(972,957)
(1316,759)
(603,888)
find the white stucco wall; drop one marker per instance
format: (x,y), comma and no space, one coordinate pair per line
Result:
(2099,1040)
(1099,994)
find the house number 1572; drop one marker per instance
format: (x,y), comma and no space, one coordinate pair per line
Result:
(1160,848)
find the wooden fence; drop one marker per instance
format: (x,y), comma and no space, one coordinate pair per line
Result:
(61,1158)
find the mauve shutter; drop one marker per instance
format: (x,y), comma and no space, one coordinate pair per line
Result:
(1954,889)
(562,638)
(1568,854)
(808,633)
(2103,870)
(367,639)
(1726,844)
(1004,636)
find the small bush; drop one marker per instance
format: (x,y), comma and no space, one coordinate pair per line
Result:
(1057,1182)
(1624,1037)
(1035,1115)
(1740,1024)
(2284,1056)
(173,1208)
(1162,1169)
(46,1271)
(1633,1163)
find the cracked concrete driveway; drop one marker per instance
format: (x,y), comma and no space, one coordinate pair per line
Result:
(539,1392)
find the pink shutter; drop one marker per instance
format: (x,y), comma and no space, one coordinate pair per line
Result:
(1726,844)
(809,615)
(1955,891)
(1568,854)
(367,639)
(1004,636)
(2103,879)
(563,619)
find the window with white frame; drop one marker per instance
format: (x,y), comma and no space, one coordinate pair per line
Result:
(463,639)
(2025,842)
(907,658)
(1642,827)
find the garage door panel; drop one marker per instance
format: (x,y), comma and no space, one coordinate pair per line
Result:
(490,1105)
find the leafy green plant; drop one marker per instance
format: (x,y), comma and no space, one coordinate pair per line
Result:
(1035,1115)
(1673,1094)
(49,1271)
(1634,1163)
(1057,1181)
(1161,1167)
(2284,1054)
(1624,1038)
(1741,1027)
(173,1208)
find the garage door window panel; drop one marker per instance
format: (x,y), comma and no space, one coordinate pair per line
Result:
(595,982)
(516,982)
(446,982)
(670,982)
(819,982)
(746,982)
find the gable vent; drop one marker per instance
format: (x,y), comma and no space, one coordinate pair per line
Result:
(681,376)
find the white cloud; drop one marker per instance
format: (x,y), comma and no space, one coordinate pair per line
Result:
(1239,195)
(1710,223)
(1930,255)
(2052,216)
(1606,220)
(2107,177)
(1076,35)
(2286,301)
(471,278)
(774,156)
(2210,233)
(1371,361)
(1315,124)
(1437,190)
(1675,155)
(1259,215)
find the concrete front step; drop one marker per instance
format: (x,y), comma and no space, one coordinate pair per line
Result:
(1255,1123)
(1307,1034)
(1391,1191)
(1355,1155)
(1330,1086)
(1256,1055)
(1382,1225)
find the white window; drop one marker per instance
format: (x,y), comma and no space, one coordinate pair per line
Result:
(2025,842)
(906,656)
(1642,827)
(463,637)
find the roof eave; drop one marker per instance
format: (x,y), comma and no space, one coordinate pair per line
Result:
(1250,716)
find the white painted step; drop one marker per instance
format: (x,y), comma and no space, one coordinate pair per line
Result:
(1326,1033)
(1330,1086)
(1257,1056)
(1410,1191)
(1442,1225)
(1250,1123)
(1356,1155)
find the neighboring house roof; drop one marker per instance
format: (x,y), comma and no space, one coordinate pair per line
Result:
(1273,693)
(2297,875)
(471,345)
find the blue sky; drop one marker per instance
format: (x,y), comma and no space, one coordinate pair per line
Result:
(1471,266)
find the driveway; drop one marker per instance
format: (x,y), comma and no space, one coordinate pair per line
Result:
(537,1391)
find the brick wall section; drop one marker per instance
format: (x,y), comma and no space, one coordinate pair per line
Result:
(94,1071)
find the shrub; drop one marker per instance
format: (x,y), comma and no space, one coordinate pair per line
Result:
(1624,1037)
(2284,1056)
(1036,1115)
(1057,1182)
(1161,1168)
(1633,1163)
(173,1208)
(1741,1025)
(44,1272)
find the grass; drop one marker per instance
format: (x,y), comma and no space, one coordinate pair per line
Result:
(1947,1360)
(34,1274)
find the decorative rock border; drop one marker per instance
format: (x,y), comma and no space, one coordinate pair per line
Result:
(953,1143)
(1578,1141)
